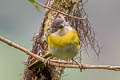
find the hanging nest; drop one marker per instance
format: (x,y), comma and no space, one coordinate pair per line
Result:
(86,34)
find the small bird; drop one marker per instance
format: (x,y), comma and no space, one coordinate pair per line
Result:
(63,42)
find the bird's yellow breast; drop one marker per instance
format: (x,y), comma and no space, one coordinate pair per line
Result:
(66,46)
(69,38)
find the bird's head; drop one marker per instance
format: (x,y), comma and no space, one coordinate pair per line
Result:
(59,27)
(56,25)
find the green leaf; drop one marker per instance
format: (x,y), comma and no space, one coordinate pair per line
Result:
(32,1)
(38,8)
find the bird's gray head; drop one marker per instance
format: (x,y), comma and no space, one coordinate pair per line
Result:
(57,24)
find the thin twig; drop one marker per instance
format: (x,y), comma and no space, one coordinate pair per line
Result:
(21,48)
(58,62)
(44,6)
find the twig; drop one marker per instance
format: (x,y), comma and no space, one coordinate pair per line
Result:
(59,63)
(21,48)
(44,6)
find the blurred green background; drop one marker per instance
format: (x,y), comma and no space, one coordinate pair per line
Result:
(19,21)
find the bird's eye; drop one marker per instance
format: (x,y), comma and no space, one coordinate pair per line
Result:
(48,30)
(61,26)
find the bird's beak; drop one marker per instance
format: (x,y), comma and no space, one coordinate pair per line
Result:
(62,26)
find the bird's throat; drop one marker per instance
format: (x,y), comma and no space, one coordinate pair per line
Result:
(62,31)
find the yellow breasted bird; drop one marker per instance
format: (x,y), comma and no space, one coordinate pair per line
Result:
(63,40)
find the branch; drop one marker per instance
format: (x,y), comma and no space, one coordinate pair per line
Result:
(59,63)
(44,6)
(21,48)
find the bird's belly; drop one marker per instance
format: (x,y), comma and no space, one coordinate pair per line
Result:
(64,52)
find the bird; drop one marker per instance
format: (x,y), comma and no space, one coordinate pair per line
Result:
(63,42)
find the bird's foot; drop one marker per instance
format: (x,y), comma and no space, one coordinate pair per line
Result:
(80,65)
